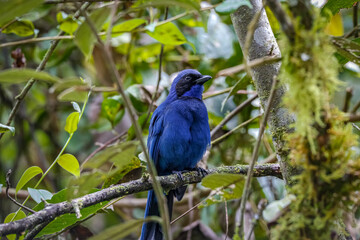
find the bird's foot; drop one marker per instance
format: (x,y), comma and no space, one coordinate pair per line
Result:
(202,171)
(179,174)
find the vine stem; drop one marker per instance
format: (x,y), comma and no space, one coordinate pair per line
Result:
(255,154)
(159,76)
(216,141)
(114,74)
(56,159)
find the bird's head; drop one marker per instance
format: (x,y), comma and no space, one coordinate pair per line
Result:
(189,83)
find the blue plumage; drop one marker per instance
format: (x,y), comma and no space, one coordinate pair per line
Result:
(179,134)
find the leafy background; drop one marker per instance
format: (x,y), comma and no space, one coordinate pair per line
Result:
(202,38)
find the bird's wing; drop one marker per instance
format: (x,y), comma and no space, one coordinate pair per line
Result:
(155,131)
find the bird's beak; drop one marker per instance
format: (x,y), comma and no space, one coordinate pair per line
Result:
(203,79)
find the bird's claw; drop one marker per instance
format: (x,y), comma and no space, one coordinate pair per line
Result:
(203,172)
(179,174)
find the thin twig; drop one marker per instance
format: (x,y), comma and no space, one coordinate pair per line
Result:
(254,63)
(355,108)
(249,37)
(202,201)
(159,76)
(283,19)
(226,220)
(353,118)
(255,156)
(103,146)
(53,235)
(112,20)
(7,25)
(261,206)
(356,126)
(348,96)
(31,40)
(13,200)
(216,141)
(41,67)
(33,232)
(355,19)
(232,114)
(114,74)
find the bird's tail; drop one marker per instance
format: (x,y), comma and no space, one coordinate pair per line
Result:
(152,230)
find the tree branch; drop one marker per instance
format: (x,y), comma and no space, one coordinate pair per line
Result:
(169,182)
(264,44)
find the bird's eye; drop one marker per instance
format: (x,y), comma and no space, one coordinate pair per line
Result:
(188,78)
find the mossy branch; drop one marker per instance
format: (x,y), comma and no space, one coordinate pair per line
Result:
(169,182)
(264,45)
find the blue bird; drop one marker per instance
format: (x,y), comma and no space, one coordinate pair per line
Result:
(179,135)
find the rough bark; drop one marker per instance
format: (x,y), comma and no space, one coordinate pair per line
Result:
(264,44)
(52,211)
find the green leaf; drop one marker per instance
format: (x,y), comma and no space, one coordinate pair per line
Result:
(168,34)
(347,49)
(70,164)
(335,5)
(68,219)
(120,154)
(69,25)
(76,106)
(72,122)
(67,83)
(5,128)
(17,75)
(72,94)
(39,194)
(119,173)
(8,218)
(22,28)
(84,37)
(231,186)
(112,109)
(128,26)
(84,184)
(229,6)
(29,174)
(215,181)
(15,8)
(119,231)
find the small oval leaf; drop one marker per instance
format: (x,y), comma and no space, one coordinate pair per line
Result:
(22,28)
(72,94)
(29,174)
(39,194)
(127,26)
(19,215)
(168,34)
(70,164)
(17,75)
(72,122)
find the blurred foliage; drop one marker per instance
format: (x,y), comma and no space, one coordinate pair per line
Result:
(99,149)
